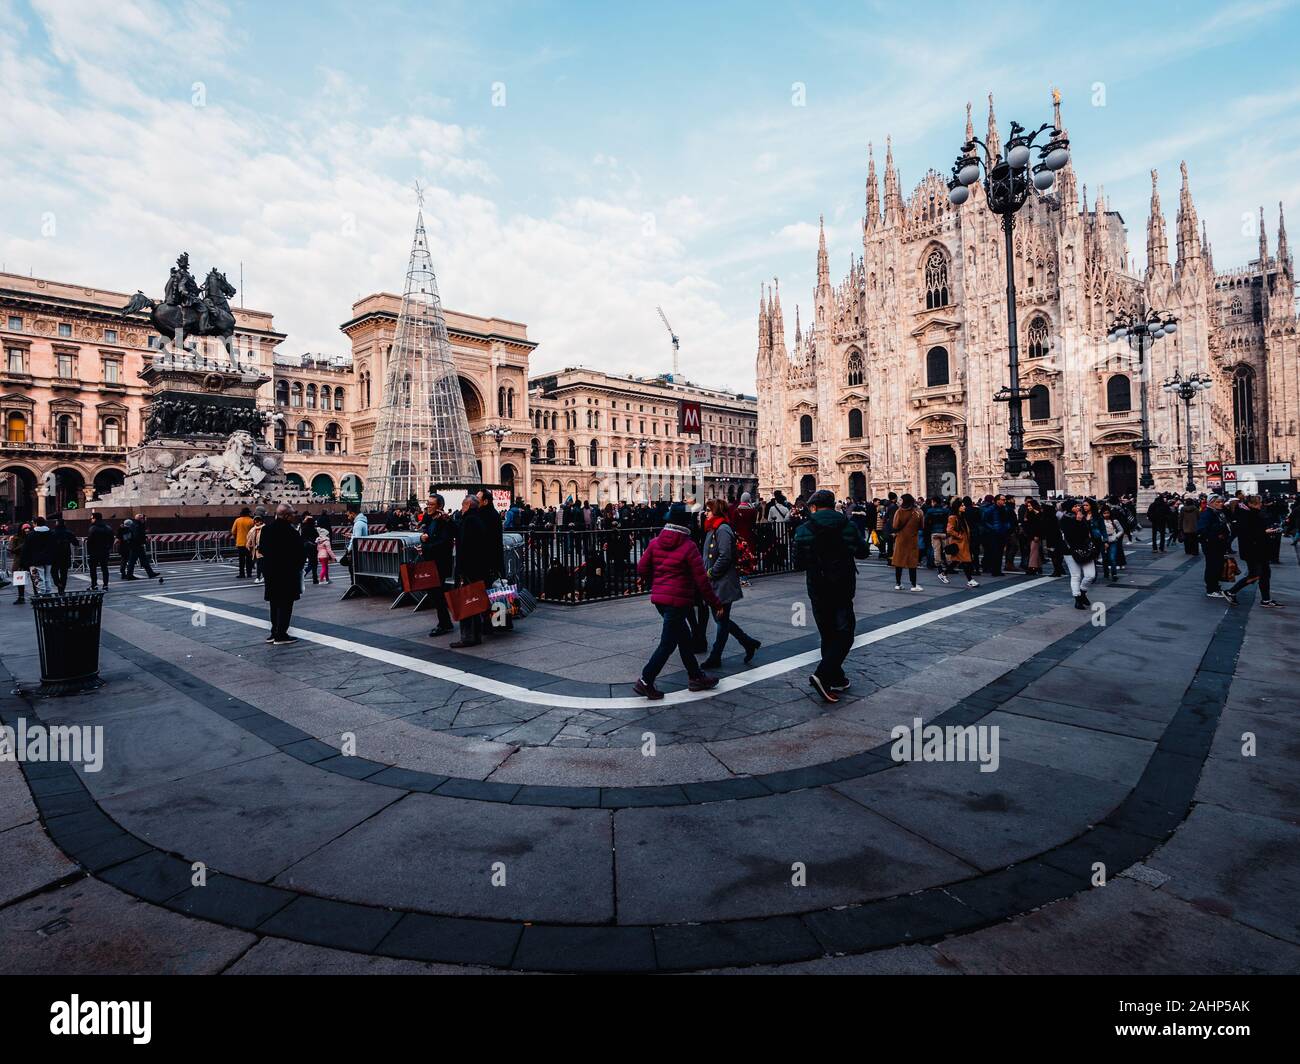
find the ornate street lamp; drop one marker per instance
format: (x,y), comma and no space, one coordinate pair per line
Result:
(1008,179)
(1185,388)
(1145,330)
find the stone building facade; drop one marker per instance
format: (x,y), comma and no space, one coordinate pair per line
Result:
(889,387)
(599,437)
(70,391)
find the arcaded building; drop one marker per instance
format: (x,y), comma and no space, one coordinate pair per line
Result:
(888,385)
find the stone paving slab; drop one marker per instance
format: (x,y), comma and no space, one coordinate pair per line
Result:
(988,819)
(625,767)
(15,799)
(29,861)
(1147,722)
(1101,755)
(1121,929)
(88,928)
(811,743)
(729,860)
(278,956)
(252,819)
(437,855)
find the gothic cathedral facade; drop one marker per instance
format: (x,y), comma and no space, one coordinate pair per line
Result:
(890,386)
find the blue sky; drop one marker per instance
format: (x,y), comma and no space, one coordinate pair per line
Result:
(644,154)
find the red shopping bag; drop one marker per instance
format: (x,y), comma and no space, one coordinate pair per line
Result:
(468,601)
(420,576)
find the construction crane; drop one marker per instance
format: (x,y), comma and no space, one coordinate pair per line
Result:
(664,318)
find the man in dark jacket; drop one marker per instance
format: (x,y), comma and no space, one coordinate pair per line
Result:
(99,543)
(64,542)
(437,545)
(1253,534)
(135,537)
(826,545)
(38,557)
(994,529)
(1214,534)
(474,562)
(282,553)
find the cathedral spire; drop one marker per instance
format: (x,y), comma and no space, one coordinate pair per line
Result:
(970,126)
(1067,191)
(893,198)
(823,260)
(1263,239)
(798,329)
(992,139)
(873,193)
(1189,246)
(1283,253)
(1157,238)
(778,322)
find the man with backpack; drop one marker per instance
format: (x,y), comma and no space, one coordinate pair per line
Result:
(826,545)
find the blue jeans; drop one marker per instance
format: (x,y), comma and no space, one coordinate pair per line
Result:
(675,633)
(726,626)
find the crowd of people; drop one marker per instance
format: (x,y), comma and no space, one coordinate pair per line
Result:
(41,553)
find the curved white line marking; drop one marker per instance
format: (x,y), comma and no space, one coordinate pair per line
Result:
(550,698)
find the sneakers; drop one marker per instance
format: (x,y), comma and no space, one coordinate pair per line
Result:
(647,690)
(916,587)
(702,682)
(443,630)
(841,685)
(972,583)
(1271,604)
(943,577)
(823,688)
(285,641)
(1232,599)
(898,587)
(1214,594)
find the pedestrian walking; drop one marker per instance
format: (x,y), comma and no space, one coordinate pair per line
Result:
(240,530)
(307,531)
(826,546)
(282,549)
(38,555)
(720,551)
(18,562)
(1253,544)
(99,544)
(1081,550)
(1188,516)
(906,527)
(63,542)
(1214,534)
(135,535)
(324,554)
(957,549)
(253,543)
(671,566)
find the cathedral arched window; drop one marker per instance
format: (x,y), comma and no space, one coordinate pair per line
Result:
(1040,403)
(1036,337)
(805,429)
(936,280)
(1235,309)
(593,454)
(855,376)
(936,367)
(1243,414)
(855,424)
(1119,394)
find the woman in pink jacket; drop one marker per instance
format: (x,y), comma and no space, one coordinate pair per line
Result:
(674,570)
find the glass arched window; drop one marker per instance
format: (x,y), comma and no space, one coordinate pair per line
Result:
(936,367)
(550,450)
(1119,394)
(111,432)
(1036,337)
(536,448)
(573,453)
(854,375)
(501,402)
(593,453)
(333,438)
(936,280)
(338,398)
(16,428)
(306,436)
(311,397)
(805,429)
(1040,403)
(1243,414)
(281,393)
(296,395)
(65,429)
(510,402)
(326,397)
(279,434)
(855,424)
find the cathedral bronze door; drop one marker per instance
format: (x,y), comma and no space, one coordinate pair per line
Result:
(1122,475)
(1044,473)
(807,484)
(940,472)
(857,486)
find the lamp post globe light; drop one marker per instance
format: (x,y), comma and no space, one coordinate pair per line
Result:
(1009,179)
(1143,330)
(1186,388)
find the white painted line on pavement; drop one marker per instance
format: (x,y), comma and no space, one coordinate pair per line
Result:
(549,698)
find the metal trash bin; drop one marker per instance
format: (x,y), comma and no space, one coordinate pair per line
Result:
(67,633)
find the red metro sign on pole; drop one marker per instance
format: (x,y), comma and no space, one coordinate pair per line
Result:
(688,418)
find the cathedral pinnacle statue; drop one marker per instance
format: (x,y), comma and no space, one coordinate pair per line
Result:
(188,309)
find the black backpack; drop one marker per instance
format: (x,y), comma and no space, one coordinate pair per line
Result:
(830,567)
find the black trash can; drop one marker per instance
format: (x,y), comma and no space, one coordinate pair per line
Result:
(67,632)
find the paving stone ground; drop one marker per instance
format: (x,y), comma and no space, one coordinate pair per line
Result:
(368,800)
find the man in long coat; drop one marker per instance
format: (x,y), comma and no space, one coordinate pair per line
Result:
(283,558)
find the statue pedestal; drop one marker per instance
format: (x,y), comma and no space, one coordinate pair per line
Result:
(1020,487)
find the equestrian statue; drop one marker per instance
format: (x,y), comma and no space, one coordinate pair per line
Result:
(187,309)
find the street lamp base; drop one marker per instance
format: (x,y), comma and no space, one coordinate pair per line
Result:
(1145,497)
(1018,486)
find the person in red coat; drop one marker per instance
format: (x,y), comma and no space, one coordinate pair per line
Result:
(674,570)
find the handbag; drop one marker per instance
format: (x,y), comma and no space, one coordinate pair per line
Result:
(420,576)
(1231,570)
(20,578)
(467,601)
(1086,555)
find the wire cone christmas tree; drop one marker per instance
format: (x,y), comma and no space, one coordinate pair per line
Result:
(422,436)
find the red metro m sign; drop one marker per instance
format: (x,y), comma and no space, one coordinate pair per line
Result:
(688,418)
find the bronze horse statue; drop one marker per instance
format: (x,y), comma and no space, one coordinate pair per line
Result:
(211,317)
